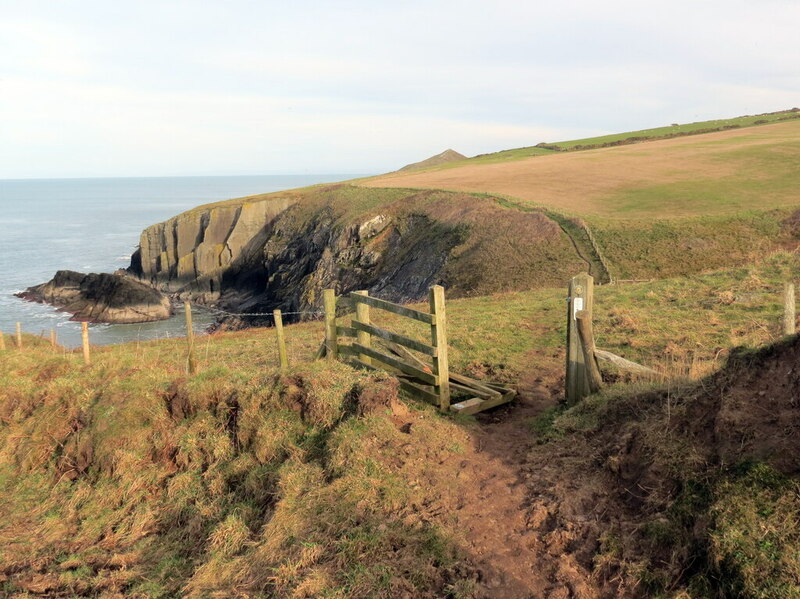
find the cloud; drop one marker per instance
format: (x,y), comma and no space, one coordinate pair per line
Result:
(92,88)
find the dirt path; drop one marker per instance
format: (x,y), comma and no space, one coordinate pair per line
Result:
(508,515)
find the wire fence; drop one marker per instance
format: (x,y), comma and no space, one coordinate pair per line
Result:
(619,320)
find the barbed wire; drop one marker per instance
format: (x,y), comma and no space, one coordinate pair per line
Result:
(267,314)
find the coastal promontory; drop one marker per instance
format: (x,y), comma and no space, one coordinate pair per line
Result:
(101,297)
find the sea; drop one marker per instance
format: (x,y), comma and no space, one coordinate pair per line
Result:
(93,225)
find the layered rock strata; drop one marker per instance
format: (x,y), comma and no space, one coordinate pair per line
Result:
(261,255)
(192,251)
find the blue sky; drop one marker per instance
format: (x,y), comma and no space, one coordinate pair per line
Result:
(260,87)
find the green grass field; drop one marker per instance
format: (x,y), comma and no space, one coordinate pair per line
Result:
(132,476)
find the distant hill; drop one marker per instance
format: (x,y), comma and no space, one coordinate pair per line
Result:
(444,157)
(729,171)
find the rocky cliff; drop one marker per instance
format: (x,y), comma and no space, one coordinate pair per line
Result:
(281,251)
(191,251)
(101,297)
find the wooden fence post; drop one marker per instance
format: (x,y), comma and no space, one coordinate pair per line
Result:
(87,359)
(586,334)
(191,364)
(789,318)
(362,337)
(581,295)
(283,359)
(19,335)
(329,303)
(441,367)
(2,341)
(53,338)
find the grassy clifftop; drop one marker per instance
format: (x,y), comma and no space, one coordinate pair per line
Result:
(128,478)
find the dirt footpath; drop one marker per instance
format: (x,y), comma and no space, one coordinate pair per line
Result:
(518,530)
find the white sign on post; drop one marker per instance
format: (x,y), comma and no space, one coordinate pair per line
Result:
(577,306)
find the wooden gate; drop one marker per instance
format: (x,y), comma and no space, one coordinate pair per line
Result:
(427,377)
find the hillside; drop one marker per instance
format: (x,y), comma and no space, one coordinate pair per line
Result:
(650,210)
(281,250)
(710,174)
(130,478)
(441,158)
(632,137)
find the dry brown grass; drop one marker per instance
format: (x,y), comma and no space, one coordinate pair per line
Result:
(590,182)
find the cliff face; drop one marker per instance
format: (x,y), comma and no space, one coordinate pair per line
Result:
(191,251)
(267,254)
(260,254)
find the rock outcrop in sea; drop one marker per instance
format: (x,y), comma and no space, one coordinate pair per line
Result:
(101,297)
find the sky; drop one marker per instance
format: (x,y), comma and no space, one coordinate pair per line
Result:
(257,87)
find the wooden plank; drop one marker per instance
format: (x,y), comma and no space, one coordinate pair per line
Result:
(345,331)
(362,317)
(425,377)
(329,302)
(789,318)
(408,356)
(395,338)
(583,321)
(470,382)
(473,391)
(393,308)
(622,363)
(419,392)
(87,359)
(496,386)
(465,407)
(475,405)
(581,294)
(191,362)
(441,366)
(283,358)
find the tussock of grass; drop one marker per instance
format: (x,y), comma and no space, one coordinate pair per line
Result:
(236,481)
(756,539)
(698,514)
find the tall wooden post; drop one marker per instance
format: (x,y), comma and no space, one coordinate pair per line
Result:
(87,358)
(2,341)
(283,359)
(441,366)
(53,342)
(581,295)
(329,304)
(362,337)
(19,336)
(789,318)
(191,364)
(586,334)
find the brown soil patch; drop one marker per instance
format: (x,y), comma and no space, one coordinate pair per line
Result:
(534,516)
(506,511)
(582,182)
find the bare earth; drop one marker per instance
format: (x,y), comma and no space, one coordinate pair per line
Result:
(586,182)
